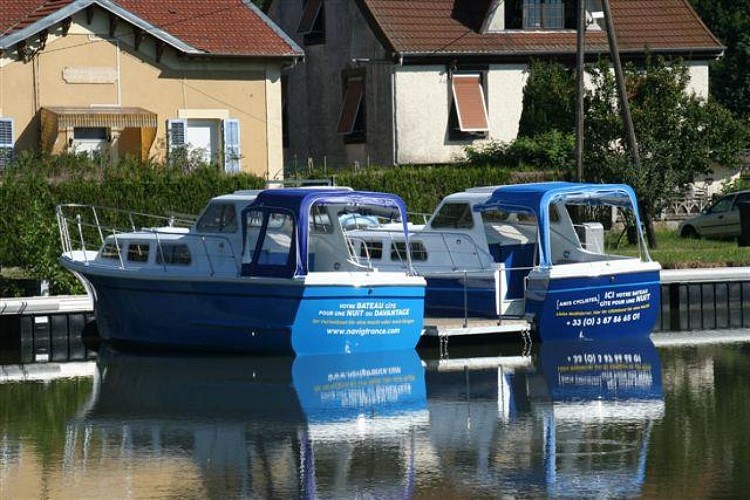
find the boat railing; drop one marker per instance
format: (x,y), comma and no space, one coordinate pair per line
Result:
(422,257)
(85,228)
(356,245)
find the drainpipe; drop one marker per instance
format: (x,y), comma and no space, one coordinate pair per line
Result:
(394,120)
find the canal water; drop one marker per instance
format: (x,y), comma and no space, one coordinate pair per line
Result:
(615,420)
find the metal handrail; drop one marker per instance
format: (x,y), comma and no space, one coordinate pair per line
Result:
(104,231)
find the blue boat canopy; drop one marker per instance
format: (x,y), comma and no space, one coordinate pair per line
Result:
(535,198)
(298,204)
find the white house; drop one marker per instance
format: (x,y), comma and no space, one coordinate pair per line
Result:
(397,82)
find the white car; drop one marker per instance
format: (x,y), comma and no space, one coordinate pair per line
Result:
(720,220)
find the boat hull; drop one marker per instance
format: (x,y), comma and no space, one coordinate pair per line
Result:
(605,307)
(252,316)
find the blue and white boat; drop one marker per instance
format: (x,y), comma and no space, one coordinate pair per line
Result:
(269,271)
(514,251)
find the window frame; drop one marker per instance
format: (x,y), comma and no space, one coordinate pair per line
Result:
(312,25)
(455,130)
(7,141)
(354,129)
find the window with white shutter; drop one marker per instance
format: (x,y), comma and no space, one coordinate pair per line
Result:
(6,142)
(231,145)
(176,133)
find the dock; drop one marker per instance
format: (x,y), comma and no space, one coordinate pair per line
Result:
(459,327)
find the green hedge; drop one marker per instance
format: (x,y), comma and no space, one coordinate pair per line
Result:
(31,189)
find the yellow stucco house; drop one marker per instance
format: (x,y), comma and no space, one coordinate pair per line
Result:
(144,78)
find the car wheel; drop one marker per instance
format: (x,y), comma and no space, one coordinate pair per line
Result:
(689,232)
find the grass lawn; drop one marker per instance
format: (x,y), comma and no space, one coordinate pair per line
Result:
(674,252)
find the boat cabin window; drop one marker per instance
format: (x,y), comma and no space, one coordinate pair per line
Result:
(138,252)
(455,216)
(418,251)
(253,223)
(371,249)
(509,227)
(110,250)
(277,243)
(218,218)
(173,254)
(320,222)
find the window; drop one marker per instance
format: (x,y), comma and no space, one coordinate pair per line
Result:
(469,110)
(253,223)
(90,133)
(543,14)
(312,23)
(173,254)
(110,250)
(371,249)
(218,218)
(320,222)
(722,205)
(212,141)
(277,243)
(6,142)
(138,252)
(231,145)
(352,118)
(454,216)
(741,198)
(418,251)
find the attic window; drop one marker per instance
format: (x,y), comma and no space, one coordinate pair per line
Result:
(312,23)
(544,14)
(470,107)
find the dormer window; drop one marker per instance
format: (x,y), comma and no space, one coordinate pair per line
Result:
(538,15)
(543,14)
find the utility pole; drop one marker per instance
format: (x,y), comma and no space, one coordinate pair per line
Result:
(627,119)
(580,61)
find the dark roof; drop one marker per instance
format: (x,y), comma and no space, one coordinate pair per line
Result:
(214,27)
(452,27)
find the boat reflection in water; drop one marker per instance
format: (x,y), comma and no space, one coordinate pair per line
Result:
(568,420)
(573,419)
(256,426)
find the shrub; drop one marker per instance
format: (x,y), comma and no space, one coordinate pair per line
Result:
(552,150)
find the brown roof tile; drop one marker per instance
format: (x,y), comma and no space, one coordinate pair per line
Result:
(439,27)
(219,27)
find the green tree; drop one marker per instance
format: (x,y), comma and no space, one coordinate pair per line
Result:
(549,99)
(729,20)
(679,134)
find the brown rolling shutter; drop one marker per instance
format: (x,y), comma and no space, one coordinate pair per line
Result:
(468,97)
(309,16)
(352,101)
